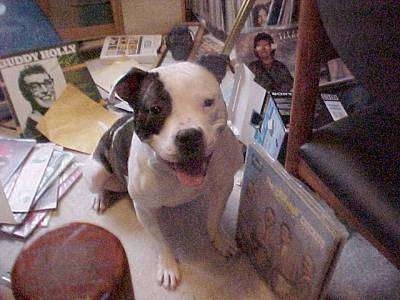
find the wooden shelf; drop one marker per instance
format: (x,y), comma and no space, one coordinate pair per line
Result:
(81,20)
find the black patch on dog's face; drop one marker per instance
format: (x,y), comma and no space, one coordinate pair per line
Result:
(152,107)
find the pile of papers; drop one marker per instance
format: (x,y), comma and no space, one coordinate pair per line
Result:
(33,178)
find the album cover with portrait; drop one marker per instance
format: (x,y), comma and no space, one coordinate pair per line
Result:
(34,79)
(292,238)
(270,54)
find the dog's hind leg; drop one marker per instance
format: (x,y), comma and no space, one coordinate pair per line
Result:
(168,274)
(216,206)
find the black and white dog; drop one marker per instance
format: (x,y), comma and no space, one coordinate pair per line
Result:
(175,147)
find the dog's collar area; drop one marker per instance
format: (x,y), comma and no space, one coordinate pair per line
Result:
(191,173)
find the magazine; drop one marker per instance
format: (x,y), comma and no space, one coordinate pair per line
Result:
(143,48)
(33,80)
(292,238)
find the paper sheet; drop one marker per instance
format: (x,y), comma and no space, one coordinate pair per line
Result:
(247,96)
(75,121)
(105,73)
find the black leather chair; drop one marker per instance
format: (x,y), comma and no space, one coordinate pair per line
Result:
(354,163)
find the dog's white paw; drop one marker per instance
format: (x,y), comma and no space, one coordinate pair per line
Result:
(226,246)
(168,274)
(97,204)
(103,200)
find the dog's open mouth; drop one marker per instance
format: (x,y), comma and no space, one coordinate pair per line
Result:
(191,172)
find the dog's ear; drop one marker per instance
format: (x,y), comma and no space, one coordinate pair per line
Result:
(128,86)
(215,63)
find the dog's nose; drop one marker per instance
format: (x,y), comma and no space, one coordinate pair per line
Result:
(189,136)
(190,141)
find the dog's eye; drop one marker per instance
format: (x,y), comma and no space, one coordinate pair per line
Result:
(208,102)
(155,110)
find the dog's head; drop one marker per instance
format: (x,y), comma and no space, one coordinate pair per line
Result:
(179,112)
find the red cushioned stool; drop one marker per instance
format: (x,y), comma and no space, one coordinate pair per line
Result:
(75,261)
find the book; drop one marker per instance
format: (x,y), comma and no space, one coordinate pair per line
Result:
(143,48)
(33,81)
(291,237)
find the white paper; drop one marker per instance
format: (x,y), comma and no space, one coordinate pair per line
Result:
(336,110)
(247,96)
(105,73)
(227,86)
(124,106)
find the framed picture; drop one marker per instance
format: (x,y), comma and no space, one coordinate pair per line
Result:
(33,80)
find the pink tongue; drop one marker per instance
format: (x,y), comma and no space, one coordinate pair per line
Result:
(189,180)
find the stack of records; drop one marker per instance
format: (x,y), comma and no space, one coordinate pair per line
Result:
(33,178)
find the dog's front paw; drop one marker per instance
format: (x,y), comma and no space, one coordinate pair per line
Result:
(103,200)
(168,274)
(98,204)
(226,246)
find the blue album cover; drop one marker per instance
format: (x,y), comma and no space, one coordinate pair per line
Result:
(272,131)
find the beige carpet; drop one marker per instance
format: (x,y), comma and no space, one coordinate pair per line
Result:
(362,272)
(206,274)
